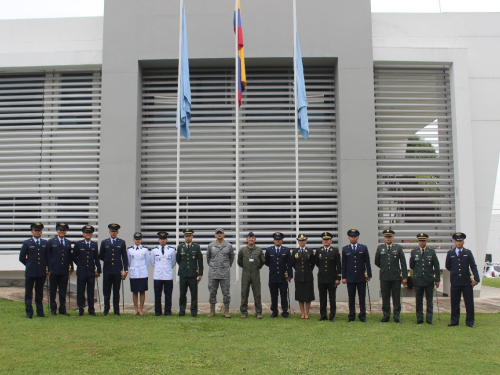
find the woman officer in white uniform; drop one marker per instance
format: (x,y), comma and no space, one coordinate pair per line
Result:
(138,260)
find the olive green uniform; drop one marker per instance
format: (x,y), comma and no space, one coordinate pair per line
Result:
(426,272)
(392,263)
(190,260)
(251,261)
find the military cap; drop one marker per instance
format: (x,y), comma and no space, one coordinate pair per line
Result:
(388,233)
(62,226)
(87,229)
(251,234)
(326,236)
(137,235)
(459,236)
(422,236)
(301,237)
(114,227)
(217,230)
(36,226)
(188,232)
(353,233)
(162,234)
(278,236)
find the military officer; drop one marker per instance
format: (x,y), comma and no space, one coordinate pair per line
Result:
(356,273)
(88,268)
(391,260)
(163,260)
(303,263)
(190,260)
(251,260)
(279,260)
(220,258)
(460,262)
(426,275)
(61,266)
(35,256)
(113,252)
(329,275)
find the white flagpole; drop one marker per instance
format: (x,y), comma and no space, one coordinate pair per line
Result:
(297,210)
(237,135)
(177,183)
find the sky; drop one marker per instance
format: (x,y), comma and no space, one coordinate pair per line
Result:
(90,8)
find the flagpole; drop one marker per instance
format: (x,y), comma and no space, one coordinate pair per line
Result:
(237,132)
(177,183)
(297,210)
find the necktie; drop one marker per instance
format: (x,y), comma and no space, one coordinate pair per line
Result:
(388,248)
(87,245)
(353,247)
(423,251)
(113,241)
(459,252)
(62,242)
(37,243)
(162,252)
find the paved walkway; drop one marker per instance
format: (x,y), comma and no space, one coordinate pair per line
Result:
(489,302)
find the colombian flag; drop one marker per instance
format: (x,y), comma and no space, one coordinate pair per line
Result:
(242,75)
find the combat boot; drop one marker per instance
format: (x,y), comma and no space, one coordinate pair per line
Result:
(226,312)
(212,311)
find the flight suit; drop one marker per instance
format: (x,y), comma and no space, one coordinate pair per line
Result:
(251,261)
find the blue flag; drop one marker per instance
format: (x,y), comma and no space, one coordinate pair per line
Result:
(185,88)
(303,122)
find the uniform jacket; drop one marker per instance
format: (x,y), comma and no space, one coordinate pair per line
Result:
(220,258)
(138,260)
(356,263)
(303,263)
(426,269)
(251,260)
(60,257)
(114,256)
(392,264)
(329,266)
(87,261)
(190,260)
(35,258)
(163,264)
(460,267)
(278,263)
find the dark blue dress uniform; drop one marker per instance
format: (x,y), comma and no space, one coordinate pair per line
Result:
(329,271)
(35,256)
(355,268)
(85,256)
(60,263)
(113,253)
(460,266)
(279,261)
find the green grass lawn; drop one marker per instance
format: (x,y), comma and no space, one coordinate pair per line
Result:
(131,345)
(494,282)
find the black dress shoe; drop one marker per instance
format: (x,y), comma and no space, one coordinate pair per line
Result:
(104,313)
(80,313)
(332,319)
(285,316)
(452,324)
(182,313)
(350,320)
(42,316)
(471,325)
(117,313)
(322,318)
(362,320)
(65,313)
(430,323)
(420,321)
(29,316)
(194,315)
(398,321)
(53,313)
(385,320)
(92,313)
(157,314)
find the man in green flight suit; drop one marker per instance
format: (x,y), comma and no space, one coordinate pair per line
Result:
(190,261)
(391,260)
(251,259)
(426,274)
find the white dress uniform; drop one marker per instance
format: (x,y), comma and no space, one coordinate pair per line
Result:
(138,260)
(163,260)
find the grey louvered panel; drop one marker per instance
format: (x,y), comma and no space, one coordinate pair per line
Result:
(415,172)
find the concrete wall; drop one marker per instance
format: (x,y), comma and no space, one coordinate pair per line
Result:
(470,43)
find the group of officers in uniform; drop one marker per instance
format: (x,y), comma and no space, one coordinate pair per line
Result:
(54,260)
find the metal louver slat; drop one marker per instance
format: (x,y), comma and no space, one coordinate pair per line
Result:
(415,174)
(49,152)
(266,159)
